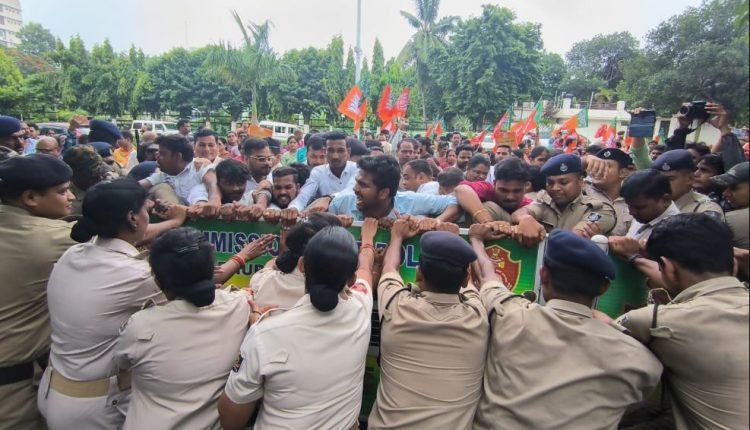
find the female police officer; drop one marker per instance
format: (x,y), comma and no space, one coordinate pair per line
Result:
(92,291)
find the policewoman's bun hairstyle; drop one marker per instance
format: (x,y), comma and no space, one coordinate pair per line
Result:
(106,207)
(300,235)
(183,264)
(330,261)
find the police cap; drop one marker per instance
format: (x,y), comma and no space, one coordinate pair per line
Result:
(33,172)
(617,155)
(445,247)
(565,249)
(9,126)
(676,159)
(99,128)
(562,164)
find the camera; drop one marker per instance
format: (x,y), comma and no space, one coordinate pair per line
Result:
(694,110)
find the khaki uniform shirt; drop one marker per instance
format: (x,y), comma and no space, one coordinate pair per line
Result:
(180,357)
(29,247)
(575,215)
(702,337)
(693,202)
(93,290)
(624,219)
(555,367)
(433,348)
(739,220)
(274,287)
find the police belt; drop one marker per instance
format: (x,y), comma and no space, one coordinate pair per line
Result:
(87,389)
(21,372)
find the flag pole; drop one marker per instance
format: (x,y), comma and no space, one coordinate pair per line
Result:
(358,48)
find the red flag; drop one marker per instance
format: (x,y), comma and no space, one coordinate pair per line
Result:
(388,125)
(530,123)
(439,128)
(349,107)
(499,127)
(402,103)
(385,105)
(478,139)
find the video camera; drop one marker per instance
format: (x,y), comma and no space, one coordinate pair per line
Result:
(694,110)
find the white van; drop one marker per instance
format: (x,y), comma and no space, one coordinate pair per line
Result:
(160,127)
(281,130)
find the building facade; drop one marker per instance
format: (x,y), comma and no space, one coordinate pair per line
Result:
(11,21)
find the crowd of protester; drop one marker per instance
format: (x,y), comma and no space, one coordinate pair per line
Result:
(111,321)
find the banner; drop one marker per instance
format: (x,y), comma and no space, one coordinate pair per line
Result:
(518,267)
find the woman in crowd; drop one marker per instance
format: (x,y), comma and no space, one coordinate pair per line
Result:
(450,159)
(180,354)
(306,365)
(222,148)
(282,282)
(291,151)
(92,291)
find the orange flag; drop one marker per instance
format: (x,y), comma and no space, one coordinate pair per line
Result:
(362,115)
(385,105)
(349,107)
(402,103)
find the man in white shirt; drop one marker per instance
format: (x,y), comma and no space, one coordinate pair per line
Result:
(417,176)
(191,181)
(649,199)
(338,175)
(259,159)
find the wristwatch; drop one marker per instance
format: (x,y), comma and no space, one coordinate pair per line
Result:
(632,259)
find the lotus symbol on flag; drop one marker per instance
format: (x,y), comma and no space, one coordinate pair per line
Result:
(509,270)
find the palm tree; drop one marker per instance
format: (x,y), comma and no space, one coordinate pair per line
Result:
(430,35)
(251,66)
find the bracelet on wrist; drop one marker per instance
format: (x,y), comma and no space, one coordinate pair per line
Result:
(239,260)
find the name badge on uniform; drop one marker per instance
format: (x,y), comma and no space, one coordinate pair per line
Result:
(594,217)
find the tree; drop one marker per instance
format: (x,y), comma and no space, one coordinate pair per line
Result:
(699,54)
(249,67)
(306,92)
(351,68)
(429,40)
(595,63)
(334,81)
(375,82)
(11,83)
(480,80)
(553,73)
(36,40)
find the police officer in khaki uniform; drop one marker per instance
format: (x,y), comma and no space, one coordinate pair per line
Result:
(433,339)
(34,191)
(564,205)
(606,170)
(737,191)
(555,366)
(701,336)
(678,166)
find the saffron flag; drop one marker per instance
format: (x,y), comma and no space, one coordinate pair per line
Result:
(402,104)
(570,125)
(530,123)
(439,128)
(478,139)
(499,127)
(362,115)
(385,105)
(349,107)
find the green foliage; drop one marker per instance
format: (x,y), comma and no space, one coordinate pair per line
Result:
(490,62)
(553,73)
(699,54)
(306,92)
(36,40)
(334,82)
(596,63)
(11,83)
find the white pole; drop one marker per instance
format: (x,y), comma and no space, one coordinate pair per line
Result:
(358,48)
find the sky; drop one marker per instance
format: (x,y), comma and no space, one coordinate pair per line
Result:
(157,26)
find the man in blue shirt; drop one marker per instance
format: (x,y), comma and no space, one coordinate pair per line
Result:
(376,195)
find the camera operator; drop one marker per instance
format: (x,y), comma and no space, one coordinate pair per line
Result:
(713,113)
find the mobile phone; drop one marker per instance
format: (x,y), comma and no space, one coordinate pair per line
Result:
(642,125)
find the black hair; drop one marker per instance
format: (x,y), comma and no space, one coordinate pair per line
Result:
(96,135)
(315,142)
(126,134)
(477,160)
(176,144)
(512,169)
(450,177)
(407,140)
(648,183)
(330,247)
(593,149)
(274,145)
(715,162)
(442,277)
(286,171)
(183,264)
(686,238)
(205,132)
(252,144)
(424,141)
(660,147)
(357,147)
(700,147)
(464,147)
(32,125)
(299,235)
(223,140)
(450,135)
(303,172)
(420,166)
(182,122)
(504,145)
(306,139)
(106,207)
(385,172)
(337,135)
(369,143)
(537,151)
(518,153)
(232,171)
(538,180)
(575,281)
(84,139)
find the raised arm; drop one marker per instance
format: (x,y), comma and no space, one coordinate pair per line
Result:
(403,228)
(367,250)
(470,202)
(480,233)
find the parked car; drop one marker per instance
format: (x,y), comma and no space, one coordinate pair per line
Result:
(159,127)
(59,128)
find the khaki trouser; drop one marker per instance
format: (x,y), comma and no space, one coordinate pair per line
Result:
(76,407)
(18,409)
